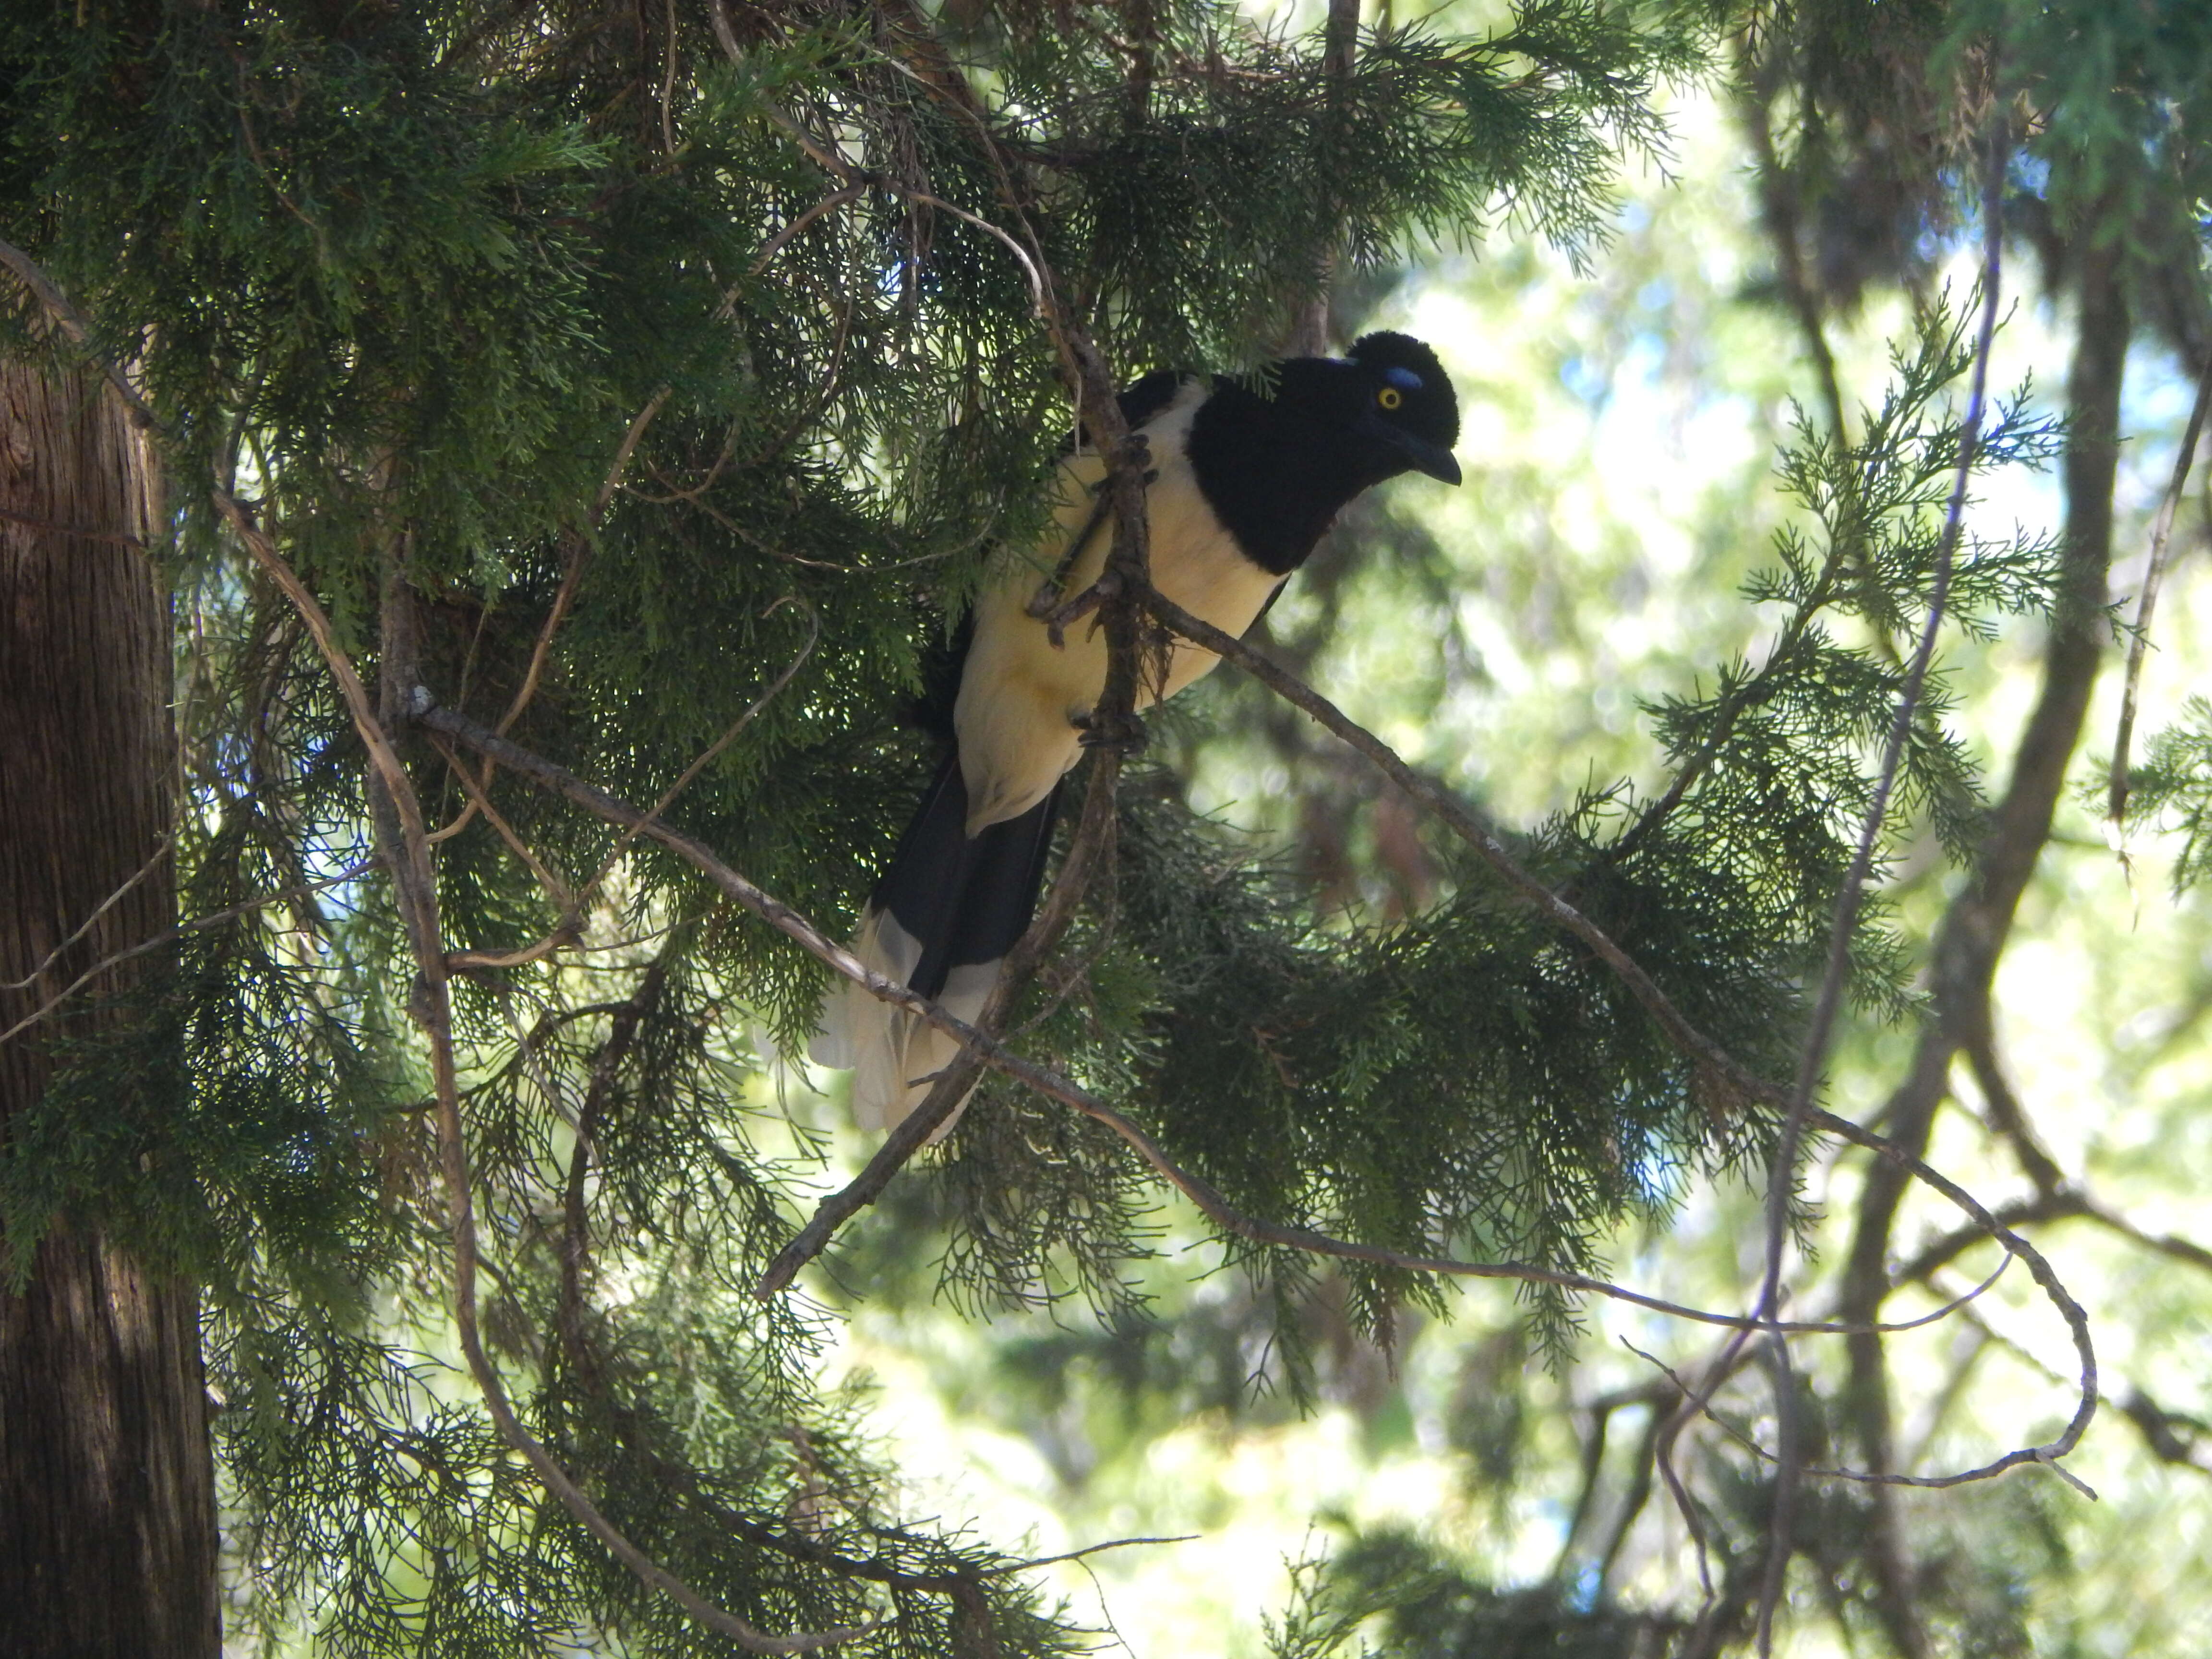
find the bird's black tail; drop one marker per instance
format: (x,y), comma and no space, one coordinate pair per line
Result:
(941,920)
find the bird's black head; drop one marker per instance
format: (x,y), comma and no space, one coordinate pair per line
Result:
(1278,462)
(1404,413)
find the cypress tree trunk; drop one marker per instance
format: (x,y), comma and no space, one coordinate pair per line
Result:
(107,1533)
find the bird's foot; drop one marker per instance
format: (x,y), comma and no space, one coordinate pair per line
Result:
(1129,735)
(1056,620)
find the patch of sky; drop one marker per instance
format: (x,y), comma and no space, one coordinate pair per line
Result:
(1581,1591)
(1930,244)
(2156,398)
(1585,379)
(2028,173)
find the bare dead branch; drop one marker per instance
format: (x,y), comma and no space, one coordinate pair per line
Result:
(2021,1212)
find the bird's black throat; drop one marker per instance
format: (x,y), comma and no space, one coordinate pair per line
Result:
(1275,470)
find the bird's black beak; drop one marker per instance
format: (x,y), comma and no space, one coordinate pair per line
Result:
(1418,454)
(1432,459)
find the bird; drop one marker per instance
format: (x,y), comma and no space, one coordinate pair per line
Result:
(1245,475)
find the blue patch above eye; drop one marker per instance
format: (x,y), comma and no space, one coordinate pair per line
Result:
(1403,378)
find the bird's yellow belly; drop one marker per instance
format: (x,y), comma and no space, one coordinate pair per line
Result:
(1020,694)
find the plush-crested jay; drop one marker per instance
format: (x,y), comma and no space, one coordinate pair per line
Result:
(1247,479)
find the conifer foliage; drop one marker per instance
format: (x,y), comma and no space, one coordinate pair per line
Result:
(653,384)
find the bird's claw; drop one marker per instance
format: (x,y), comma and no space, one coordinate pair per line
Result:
(1129,735)
(1056,620)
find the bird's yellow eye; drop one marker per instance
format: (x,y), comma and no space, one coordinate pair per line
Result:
(1389,397)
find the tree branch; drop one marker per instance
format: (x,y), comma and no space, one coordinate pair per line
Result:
(415,885)
(2115,787)
(1782,1177)
(990,1050)
(579,555)
(1976,929)
(1725,1081)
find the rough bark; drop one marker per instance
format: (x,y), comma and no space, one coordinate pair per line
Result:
(1978,925)
(107,1529)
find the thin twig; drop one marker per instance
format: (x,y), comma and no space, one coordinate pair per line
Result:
(1782,1175)
(470,961)
(860,180)
(729,736)
(952,1084)
(46,526)
(2116,788)
(160,853)
(668,88)
(1087,1550)
(1865,1477)
(580,549)
(2077,1320)
(170,936)
(479,796)
(775,244)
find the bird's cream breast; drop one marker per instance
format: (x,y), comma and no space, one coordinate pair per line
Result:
(1019,694)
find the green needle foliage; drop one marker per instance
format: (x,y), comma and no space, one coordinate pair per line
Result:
(2175,782)
(675,341)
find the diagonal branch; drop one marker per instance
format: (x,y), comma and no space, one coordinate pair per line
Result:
(2116,787)
(988,1049)
(1725,1080)
(579,555)
(415,883)
(1977,924)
